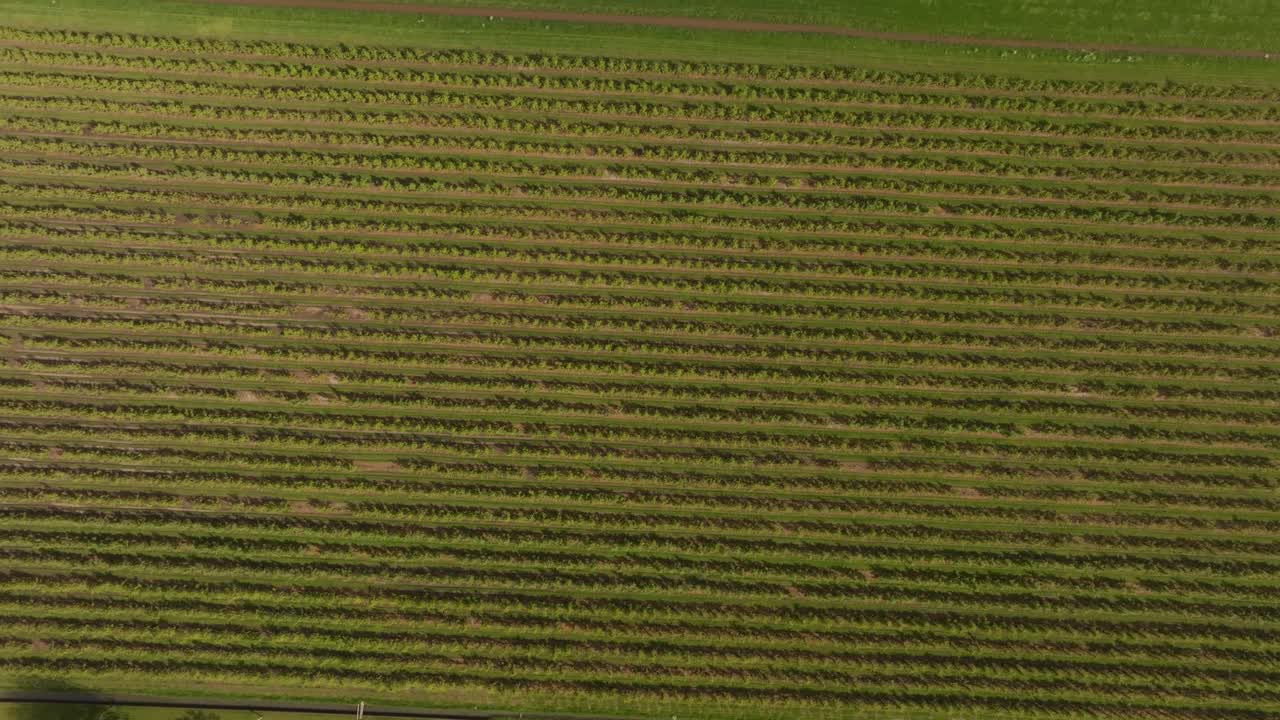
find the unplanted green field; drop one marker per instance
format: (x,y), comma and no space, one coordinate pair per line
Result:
(566,383)
(1239,24)
(362,27)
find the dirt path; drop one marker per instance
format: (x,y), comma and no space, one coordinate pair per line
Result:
(738,25)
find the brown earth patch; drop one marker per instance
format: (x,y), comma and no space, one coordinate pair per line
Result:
(310,312)
(1136,588)
(377,465)
(315,507)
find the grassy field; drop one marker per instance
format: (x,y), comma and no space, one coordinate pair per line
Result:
(647,384)
(193,18)
(1239,24)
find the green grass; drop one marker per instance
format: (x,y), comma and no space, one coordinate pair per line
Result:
(12,711)
(155,713)
(1236,24)
(185,17)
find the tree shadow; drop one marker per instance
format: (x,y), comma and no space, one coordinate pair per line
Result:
(67,709)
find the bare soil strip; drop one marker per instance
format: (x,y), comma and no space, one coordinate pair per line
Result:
(740,25)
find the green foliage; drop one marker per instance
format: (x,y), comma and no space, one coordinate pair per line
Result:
(636,387)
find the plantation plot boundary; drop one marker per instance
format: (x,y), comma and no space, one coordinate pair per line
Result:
(635,385)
